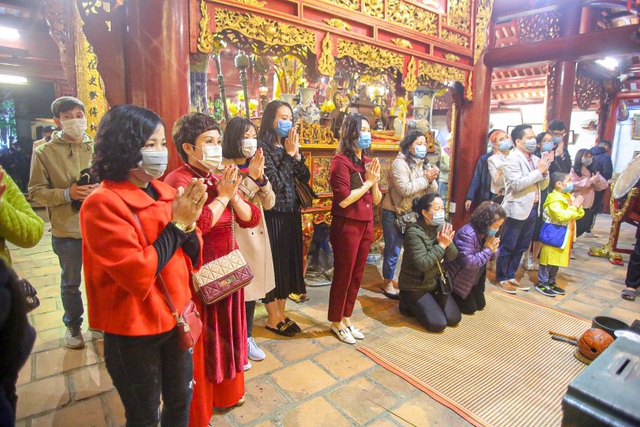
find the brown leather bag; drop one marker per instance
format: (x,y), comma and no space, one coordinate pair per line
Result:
(305,194)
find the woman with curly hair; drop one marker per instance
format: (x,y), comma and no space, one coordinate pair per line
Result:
(477,244)
(354,182)
(134,230)
(410,176)
(220,356)
(283,165)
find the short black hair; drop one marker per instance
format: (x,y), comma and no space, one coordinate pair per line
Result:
(407,142)
(486,214)
(540,137)
(188,128)
(233,136)
(349,135)
(518,132)
(267,135)
(64,104)
(123,132)
(605,144)
(555,178)
(555,125)
(423,203)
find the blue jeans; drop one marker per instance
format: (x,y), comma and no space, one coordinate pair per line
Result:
(513,243)
(69,253)
(143,368)
(547,274)
(392,243)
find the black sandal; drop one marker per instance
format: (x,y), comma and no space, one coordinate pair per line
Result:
(292,325)
(390,295)
(282,329)
(629,294)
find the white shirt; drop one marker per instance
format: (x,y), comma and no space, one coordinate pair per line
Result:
(495,163)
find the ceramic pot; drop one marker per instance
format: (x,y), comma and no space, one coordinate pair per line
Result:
(307,110)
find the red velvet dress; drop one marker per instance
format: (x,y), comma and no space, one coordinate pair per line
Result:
(221,353)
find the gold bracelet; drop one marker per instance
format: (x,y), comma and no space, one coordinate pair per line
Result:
(190,228)
(237,200)
(221,202)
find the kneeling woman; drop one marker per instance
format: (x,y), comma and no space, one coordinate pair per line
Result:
(477,245)
(355,191)
(426,243)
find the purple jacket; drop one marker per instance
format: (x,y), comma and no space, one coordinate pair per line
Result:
(472,258)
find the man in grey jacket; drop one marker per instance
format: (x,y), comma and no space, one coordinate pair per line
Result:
(525,176)
(55,170)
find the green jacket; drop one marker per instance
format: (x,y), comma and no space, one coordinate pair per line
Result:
(19,224)
(421,252)
(55,167)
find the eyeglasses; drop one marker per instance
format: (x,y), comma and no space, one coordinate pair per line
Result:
(559,133)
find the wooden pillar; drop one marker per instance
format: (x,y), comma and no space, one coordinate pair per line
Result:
(157,61)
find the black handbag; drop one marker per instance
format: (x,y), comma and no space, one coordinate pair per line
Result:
(443,282)
(305,194)
(30,295)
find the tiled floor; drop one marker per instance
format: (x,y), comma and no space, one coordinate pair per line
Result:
(309,380)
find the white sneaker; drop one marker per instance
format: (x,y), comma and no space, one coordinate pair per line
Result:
(356,333)
(73,337)
(255,353)
(591,235)
(247,366)
(343,335)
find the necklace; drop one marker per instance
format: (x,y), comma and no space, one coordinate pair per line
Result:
(207,178)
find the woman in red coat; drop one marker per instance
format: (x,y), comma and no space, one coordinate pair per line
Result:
(355,191)
(219,357)
(134,229)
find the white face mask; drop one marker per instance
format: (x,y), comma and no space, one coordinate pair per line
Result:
(74,128)
(211,156)
(249,147)
(153,165)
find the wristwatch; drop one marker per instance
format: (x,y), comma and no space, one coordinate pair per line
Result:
(180,226)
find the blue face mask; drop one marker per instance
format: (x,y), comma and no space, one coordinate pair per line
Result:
(547,146)
(438,218)
(364,141)
(284,126)
(557,140)
(505,145)
(420,151)
(568,188)
(492,232)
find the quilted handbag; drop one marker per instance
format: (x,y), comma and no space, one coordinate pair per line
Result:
(223,276)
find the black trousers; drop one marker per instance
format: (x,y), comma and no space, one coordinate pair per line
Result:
(475,300)
(434,311)
(633,268)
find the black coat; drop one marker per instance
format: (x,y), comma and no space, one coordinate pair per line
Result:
(601,162)
(281,169)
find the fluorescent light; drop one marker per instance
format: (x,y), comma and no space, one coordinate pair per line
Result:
(13,80)
(608,63)
(7,33)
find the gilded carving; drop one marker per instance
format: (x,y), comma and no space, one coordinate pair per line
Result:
(469,94)
(541,26)
(374,8)
(338,23)
(408,15)
(459,14)
(316,134)
(454,38)
(206,41)
(402,43)
(326,62)
(410,81)
(451,57)
(349,4)
(267,31)
(255,3)
(370,55)
(60,19)
(440,73)
(586,91)
(483,16)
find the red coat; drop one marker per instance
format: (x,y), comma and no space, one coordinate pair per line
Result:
(225,337)
(339,178)
(120,267)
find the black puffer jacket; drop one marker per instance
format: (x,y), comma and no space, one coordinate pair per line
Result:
(601,162)
(281,168)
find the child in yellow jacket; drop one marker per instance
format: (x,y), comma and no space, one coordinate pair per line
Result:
(560,208)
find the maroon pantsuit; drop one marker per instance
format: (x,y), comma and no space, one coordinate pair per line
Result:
(351,237)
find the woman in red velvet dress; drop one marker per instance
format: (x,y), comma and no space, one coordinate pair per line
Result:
(219,357)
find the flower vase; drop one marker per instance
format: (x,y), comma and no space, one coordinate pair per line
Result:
(307,110)
(288,98)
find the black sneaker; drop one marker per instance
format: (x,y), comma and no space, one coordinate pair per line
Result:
(556,289)
(545,290)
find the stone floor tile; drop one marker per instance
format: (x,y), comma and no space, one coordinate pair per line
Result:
(98,347)
(45,321)
(47,305)
(270,364)
(302,379)
(609,294)
(627,316)
(579,308)
(50,291)
(315,413)
(26,372)
(262,398)
(421,410)
(300,347)
(88,413)
(44,271)
(222,418)
(383,421)
(588,296)
(361,400)
(266,424)
(41,396)
(344,361)
(49,339)
(22,423)
(90,381)
(392,382)
(115,408)
(62,359)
